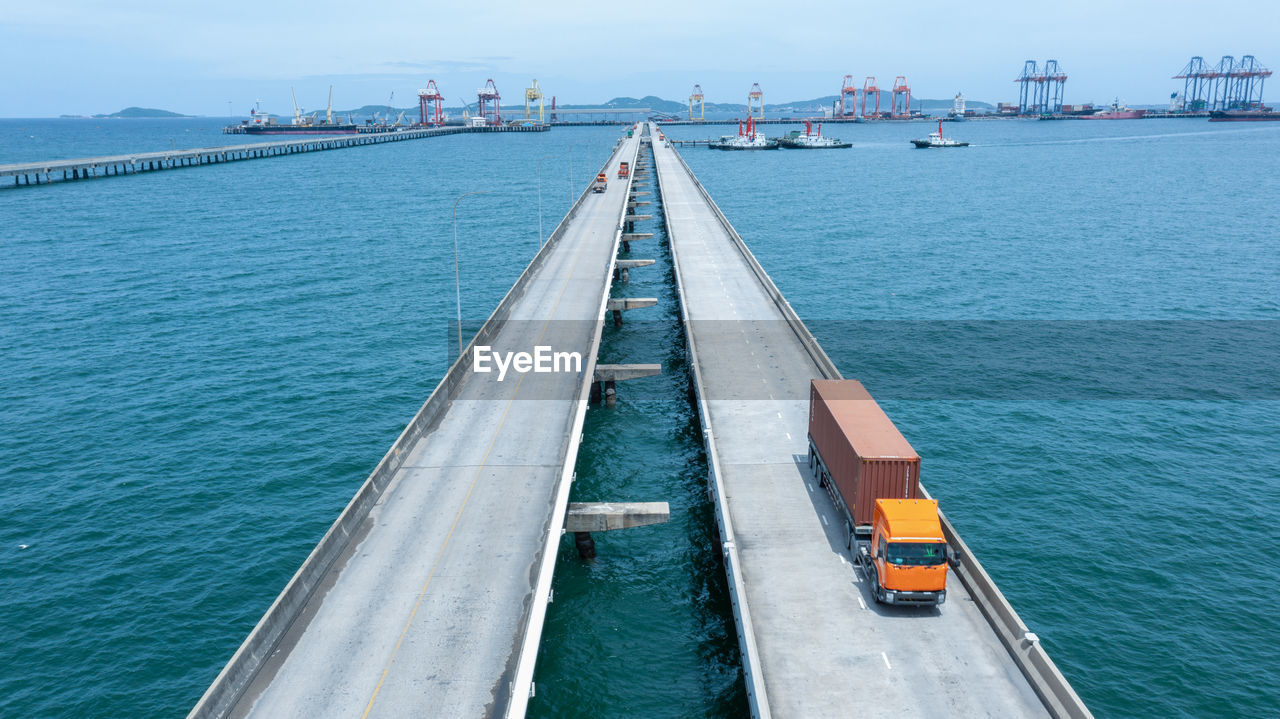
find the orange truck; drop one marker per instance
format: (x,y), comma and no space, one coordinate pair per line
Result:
(601,183)
(906,557)
(872,475)
(624,169)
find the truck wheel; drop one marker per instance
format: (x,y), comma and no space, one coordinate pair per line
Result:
(875,586)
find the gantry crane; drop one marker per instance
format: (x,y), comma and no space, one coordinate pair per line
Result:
(426,97)
(531,93)
(848,98)
(485,95)
(755,101)
(695,97)
(900,100)
(869,89)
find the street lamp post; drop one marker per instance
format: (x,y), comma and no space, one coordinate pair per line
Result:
(540,159)
(457,281)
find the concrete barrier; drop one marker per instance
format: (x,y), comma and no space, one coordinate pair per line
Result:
(1055,692)
(248,660)
(752,674)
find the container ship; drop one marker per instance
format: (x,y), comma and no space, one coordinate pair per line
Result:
(260,123)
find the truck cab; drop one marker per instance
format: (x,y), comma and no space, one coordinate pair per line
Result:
(906,558)
(601,183)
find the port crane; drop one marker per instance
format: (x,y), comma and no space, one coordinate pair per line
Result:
(697,97)
(430,94)
(848,98)
(297,111)
(755,99)
(531,93)
(869,88)
(485,95)
(900,100)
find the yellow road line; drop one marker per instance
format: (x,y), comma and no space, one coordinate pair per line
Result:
(479,469)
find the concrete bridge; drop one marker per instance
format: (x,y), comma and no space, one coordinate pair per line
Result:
(427,596)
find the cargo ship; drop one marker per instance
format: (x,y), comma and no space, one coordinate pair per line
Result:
(810,140)
(1117,111)
(746,139)
(1263,115)
(260,123)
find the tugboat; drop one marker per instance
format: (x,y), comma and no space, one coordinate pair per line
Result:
(746,139)
(1117,111)
(810,140)
(937,140)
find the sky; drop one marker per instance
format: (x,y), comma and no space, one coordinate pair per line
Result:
(218,58)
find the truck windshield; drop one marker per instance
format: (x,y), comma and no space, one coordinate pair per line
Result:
(917,554)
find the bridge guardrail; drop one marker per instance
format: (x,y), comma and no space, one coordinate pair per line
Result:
(753,675)
(1048,682)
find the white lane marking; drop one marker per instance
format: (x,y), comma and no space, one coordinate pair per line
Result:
(824,520)
(779,414)
(810,486)
(788,434)
(862,603)
(886,660)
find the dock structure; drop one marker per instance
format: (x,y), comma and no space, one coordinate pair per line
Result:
(814,642)
(428,594)
(86,168)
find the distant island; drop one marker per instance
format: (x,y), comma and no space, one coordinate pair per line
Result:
(135,112)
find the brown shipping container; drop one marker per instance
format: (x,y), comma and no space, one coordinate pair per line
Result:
(867,456)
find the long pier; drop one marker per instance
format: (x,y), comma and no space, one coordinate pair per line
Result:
(814,641)
(427,595)
(49,171)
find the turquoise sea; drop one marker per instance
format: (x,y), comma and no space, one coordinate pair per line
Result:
(199,367)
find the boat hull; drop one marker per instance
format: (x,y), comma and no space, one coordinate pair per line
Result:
(926,145)
(794,146)
(1244,116)
(1122,115)
(297,130)
(718,146)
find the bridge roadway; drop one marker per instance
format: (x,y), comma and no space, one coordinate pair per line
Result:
(426,610)
(815,644)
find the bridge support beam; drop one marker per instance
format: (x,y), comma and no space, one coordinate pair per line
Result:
(629,237)
(583,518)
(619,304)
(622,268)
(604,381)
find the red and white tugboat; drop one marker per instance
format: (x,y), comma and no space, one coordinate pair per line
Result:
(937,140)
